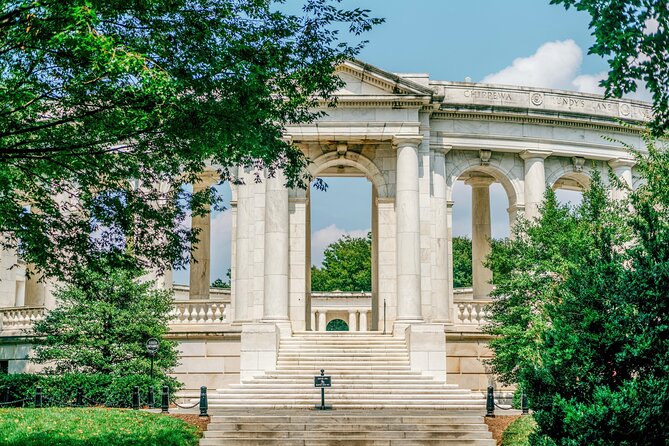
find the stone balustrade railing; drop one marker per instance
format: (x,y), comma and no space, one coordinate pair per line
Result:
(20,318)
(191,312)
(471,313)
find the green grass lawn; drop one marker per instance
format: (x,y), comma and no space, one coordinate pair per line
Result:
(92,427)
(518,432)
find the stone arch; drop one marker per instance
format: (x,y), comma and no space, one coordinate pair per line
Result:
(352,159)
(568,172)
(337,325)
(497,167)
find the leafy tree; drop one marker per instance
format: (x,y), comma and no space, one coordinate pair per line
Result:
(218,283)
(634,36)
(109,107)
(581,323)
(347,266)
(462,262)
(102,323)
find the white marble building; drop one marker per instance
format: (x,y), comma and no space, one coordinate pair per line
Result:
(412,138)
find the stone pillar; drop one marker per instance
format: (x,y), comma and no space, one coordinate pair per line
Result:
(622,168)
(362,324)
(201,253)
(243,245)
(35,288)
(535,181)
(481,234)
(449,247)
(375,259)
(442,263)
(351,321)
(408,230)
(275,297)
(322,321)
(312,327)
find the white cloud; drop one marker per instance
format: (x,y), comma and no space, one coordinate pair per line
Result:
(553,65)
(589,83)
(556,65)
(323,237)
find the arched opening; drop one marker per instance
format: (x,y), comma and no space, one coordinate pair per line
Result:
(341,245)
(336,325)
(481,214)
(569,188)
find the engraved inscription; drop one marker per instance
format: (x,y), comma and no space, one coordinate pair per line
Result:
(537,99)
(570,102)
(490,95)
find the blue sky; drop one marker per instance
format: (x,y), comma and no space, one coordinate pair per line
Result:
(514,42)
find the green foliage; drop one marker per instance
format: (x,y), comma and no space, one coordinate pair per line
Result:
(337,325)
(218,283)
(108,108)
(93,427)
(518,432)
(98,389)
(101,325)
(462,262)
(347,266)
(581,314)
(634,36)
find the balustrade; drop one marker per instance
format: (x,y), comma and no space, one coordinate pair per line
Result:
(20,318)
(191,312)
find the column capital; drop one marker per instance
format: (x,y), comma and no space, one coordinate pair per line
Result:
(475,180)
(515,208)
(535,154)
(622,162)
(407,140)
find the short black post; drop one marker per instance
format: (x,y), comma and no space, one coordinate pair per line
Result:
(490,403)
(204,404)
(165,403)
(80,397)
(523,403)
(135,398)
(38,397)
(151,400)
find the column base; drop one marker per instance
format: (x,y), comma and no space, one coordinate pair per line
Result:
(427,349)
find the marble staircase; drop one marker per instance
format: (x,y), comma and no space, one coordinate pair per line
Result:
(377,399)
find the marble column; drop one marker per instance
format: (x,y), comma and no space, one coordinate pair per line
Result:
(243,245)
(35,288)
(408,229)
(322,322)
(275,296)
(362,324)
(481,234)
(622,169)
(352,320)
(441,286)
(200,280)
(535,181)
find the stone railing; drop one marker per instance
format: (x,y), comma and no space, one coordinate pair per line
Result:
(19,318)
(472,313)
(194,312)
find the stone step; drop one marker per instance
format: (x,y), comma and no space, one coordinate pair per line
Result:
(336,390)
(339,425)
(334,441)
(358,434)
(304,380)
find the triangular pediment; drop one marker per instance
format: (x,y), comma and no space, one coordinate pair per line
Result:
(366,80)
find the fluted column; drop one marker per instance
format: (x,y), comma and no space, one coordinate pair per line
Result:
(243,246)
(408,229)
(200,280)
(622,168)
(535,181)
(441,286)
(275,297)
(481,234)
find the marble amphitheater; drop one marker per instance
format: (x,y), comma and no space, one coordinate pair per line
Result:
(414,342)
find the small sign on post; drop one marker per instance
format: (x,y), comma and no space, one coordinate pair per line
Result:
(322,382)
(152,346)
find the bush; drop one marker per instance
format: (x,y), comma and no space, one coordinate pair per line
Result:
(92,427)
(518,432)
(98,389)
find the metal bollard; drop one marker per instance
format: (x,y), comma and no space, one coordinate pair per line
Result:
(38,397)
(523,404)
(135,398)
(150,398)
(204,404)
(490,403)
(165,403)
(80,397)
